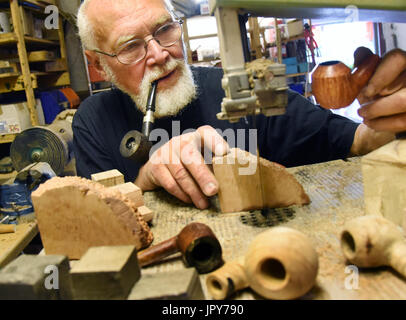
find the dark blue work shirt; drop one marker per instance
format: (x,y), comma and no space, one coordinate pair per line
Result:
(305,134)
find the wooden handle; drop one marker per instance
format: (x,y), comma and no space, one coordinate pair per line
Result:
(227,280)
(158,252)
(281,263)
(7,228)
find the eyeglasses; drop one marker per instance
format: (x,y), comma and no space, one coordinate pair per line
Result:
(135,50)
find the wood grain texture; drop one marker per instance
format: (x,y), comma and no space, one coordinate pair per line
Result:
(108,178)
(240,183)
(75,214)
(336,86)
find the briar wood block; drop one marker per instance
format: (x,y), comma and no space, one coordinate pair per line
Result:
(108,178)
(146,213)
(107,272)
(240,189)
(75,214)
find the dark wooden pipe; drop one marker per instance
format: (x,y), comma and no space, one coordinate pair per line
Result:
(197,243)
(336,86)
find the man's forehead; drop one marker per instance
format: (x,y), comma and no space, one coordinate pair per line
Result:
(126,17)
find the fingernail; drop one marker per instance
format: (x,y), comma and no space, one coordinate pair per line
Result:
(210,189)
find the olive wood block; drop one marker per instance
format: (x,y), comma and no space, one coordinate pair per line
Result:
(176,285)
(107,272)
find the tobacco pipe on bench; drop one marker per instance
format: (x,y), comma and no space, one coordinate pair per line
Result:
(373,241)
(336,86)
(197,243)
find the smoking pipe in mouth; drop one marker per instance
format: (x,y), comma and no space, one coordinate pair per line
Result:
(135,145)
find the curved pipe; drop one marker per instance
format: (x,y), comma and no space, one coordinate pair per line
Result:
(336,86)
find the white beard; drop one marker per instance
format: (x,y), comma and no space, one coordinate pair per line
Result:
(169,102)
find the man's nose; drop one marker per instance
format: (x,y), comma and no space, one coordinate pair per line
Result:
(156,54)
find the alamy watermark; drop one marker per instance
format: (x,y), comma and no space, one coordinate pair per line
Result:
(351,281)
(190,147)
(52,281)
(52,20)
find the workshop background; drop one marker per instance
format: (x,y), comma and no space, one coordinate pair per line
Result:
(44,77)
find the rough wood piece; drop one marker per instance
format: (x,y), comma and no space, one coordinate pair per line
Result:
(227,280)
(57,65)
(281,263)
(108,178)
(146,213)
(373,241)
(240,186)
(384,179)
(131,191)
(176,285)
(7,228)
(25,278)
(105,273)
(75,214)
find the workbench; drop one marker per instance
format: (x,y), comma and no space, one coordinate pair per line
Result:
(336,192)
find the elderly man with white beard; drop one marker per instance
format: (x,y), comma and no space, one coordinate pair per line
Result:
(135,42)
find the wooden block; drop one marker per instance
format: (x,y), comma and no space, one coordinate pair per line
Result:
(57,65)
(176,285)
(74,214)
(146,213)
(39,56)
(240,183)
(105,273)
(384,179)
(7,228)
(28,277)
(108,178)
(131,191)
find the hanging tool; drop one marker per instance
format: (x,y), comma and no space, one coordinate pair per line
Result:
(135,145)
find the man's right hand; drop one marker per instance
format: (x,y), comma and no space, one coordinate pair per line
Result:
(179,167)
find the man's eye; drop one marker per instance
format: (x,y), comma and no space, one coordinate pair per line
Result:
(131,47)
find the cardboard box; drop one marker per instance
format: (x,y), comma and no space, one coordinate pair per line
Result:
(14,118)
(295,28)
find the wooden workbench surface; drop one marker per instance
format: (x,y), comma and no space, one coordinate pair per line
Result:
(336,191)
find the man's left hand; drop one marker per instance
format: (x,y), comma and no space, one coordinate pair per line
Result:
(387,92)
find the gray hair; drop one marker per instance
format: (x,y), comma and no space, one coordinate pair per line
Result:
(86,30)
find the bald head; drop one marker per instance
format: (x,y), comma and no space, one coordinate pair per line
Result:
(96,18)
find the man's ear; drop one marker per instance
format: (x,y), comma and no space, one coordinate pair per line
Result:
(94,60)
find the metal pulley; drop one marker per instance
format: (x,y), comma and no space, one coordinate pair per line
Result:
(52,144)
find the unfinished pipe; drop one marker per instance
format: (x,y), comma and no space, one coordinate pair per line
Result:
(373,241)
(336,86)
(197,243)
(281,263)
(227,280)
